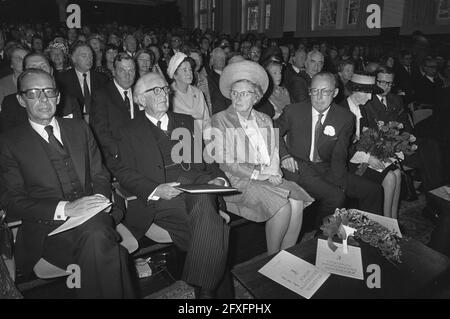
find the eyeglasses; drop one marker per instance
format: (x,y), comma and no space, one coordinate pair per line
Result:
(324,92)
(384,83)
(36,93)
(241,94)
(165,47)
(157,90)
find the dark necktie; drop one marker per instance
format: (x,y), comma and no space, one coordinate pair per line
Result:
(158,124)
(383,100)
(87,94)
(317,130)
(52,140)
(127,103)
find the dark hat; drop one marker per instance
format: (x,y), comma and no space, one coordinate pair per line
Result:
(364,83)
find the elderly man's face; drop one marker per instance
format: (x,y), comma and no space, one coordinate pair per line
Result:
(124,73)
(17,60)
(314,64)
(322,93)
(38,62)
(156,104)
(82,59)
(40,108)
(219,60)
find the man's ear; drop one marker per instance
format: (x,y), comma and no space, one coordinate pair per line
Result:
(141,99)
(21,101)
(336,92)
(58,98)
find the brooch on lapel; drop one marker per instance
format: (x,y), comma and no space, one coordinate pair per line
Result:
(329,130)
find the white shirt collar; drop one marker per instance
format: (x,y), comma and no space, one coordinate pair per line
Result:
(295,68)
(218,71)
(430,78)
(40,129)
(315,114)
(164,121)
(121,90)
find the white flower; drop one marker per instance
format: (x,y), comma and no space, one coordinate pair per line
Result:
(329,130)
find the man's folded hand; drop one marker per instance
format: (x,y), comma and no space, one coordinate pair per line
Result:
(85,205)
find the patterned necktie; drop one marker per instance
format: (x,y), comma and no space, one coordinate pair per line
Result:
(52,140)
(87,94)
(317,130)
(127,103)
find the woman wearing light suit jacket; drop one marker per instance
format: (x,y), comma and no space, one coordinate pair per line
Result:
(246,148)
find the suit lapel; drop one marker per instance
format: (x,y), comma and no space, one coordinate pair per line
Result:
(76,148)
(308,129)
(77,85)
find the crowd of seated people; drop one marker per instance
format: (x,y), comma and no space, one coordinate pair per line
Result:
(92,105)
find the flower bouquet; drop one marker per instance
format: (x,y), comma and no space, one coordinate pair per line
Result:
(387,143)
(369,231)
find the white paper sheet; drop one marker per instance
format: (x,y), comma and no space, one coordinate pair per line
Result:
(442,192)
(295,274)
(73,222)
(389,223)
(339,263)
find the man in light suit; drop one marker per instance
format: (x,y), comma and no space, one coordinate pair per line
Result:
(51,169)
(145,168)
(315,155)
(113,107)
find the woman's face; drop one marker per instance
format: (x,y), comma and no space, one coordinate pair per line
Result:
(166,48)
(147,41)
(95,44)
(275,73)
(57,57)
(110,55)
(198,60)
(361,98)
(390,62)
(144,63)
(184,73)
(243,97)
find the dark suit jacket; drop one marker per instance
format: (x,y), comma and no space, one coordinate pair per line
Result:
(427,92)
(296,124)
(218,101)
(375,111)
(297,84)
(405,81)
(142,168)
(69,85)
(108,114)
(13,114)
(32,188)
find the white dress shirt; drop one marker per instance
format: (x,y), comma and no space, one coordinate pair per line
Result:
(315,117)
(130,97)
(382,99)
(81,80)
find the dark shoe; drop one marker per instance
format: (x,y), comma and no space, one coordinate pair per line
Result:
(201,293)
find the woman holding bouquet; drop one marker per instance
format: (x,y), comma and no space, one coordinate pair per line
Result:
(362,88)
(246,148)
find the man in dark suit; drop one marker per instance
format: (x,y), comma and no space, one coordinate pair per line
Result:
(428,85)
(218,62)
(113,107)
(315,154)
(147,169)
(298,81)
(13,114)
(4,65)
(81,82)
(405,72)
(51,169)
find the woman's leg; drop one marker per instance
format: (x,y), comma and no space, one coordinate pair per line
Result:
(389,189)
(276,228)
(295,224)
(396,199)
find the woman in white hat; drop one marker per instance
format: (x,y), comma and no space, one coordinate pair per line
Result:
(246,148)
(362,87)
(187,99)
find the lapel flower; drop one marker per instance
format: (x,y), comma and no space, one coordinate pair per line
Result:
(329,130)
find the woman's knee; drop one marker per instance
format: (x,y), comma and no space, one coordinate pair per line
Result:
(389,179)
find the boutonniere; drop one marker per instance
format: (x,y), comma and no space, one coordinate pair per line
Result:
(329,130)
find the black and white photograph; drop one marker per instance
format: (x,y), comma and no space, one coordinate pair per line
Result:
(248,152)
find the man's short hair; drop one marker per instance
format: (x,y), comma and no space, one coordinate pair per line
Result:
(328,75)
(384,69)
(79,44)
(33,54)
(344,63)
(122,56)
(310,54)
(32,71)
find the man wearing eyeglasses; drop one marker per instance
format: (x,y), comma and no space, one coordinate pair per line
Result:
(113,107)
(318,134)
(52,170)
(147,169)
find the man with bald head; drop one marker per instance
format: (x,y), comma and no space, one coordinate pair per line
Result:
(145,167)
(13,114)
(51,171)
(315,154)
